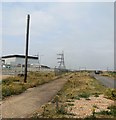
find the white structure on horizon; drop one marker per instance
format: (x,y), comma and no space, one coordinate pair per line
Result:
(19,60)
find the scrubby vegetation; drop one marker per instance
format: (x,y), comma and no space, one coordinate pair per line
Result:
(15,85)
(109,74)
(110,93)
(79,85)
(110,113)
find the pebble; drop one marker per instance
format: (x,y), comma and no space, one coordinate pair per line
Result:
(83,108)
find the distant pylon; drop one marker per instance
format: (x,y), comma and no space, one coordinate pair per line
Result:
(61,61)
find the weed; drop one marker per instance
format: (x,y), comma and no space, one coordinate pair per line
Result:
(71,100)
(93,112)
(70,104)
(96,94)
(68,101)
(111,111)
(15,85)
(95,106)
(104,112)
(111,93)
(57,102)
(84,95)
(77,97)
(87,98)
(62,110)
(44,110)
(90,118)
(80,85)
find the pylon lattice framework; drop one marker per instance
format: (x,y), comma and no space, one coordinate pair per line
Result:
(61,61)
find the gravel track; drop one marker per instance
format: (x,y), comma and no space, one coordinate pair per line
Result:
(21,106)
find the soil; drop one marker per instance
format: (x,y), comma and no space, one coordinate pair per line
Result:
(83,108)
(4,76)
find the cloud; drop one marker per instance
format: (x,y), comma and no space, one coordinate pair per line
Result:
(83,30)
(41,22)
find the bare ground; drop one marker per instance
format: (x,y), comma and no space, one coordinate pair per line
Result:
(4,76)
(21,106)
(83,108)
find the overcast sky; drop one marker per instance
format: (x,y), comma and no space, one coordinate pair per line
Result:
(84,31)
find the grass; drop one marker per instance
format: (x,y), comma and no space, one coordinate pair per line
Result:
(110,112)
(109,74)
(15,85)
(84,95)
(62,110)
(70,104)
(49,111)
(79,85)
(110,93)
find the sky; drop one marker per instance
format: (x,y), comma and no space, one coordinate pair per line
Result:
(83,30)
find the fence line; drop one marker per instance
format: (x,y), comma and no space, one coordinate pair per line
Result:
(20,70)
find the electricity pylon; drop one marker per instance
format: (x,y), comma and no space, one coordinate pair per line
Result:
(61,61)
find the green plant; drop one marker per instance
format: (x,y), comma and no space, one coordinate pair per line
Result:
(87,98)
(68,101)
(111,93)
(12,89)
(44,110)
(111,111)
(90,118)
(7,81)
(62,110)
(95,106)
(77,98)
(93,112)
(96,94)
(15,85)
(56,99)
(84,87)
(70,104)
(71,100)
(84,95)
(103,112)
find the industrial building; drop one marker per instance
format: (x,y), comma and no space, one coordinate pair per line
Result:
(17,60)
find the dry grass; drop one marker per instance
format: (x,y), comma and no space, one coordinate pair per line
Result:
(79,85)
(15,85)
(110,74)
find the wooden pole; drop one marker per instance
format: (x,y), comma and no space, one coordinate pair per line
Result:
(26,53)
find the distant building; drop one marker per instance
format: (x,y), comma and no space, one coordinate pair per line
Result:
(17,60)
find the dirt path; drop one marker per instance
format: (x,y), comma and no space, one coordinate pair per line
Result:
(20,106)
(4,76)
